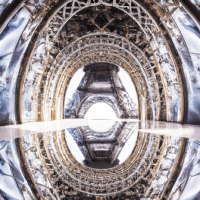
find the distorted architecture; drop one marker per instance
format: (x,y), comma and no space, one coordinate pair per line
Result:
(140,58)
(101,83)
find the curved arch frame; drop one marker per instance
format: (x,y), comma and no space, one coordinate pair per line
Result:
(36,36)
(81,111)
(168,41)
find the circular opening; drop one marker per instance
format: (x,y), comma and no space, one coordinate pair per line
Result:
(100,111)
(103,117)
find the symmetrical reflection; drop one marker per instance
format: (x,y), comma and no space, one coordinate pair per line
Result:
(53,154)
(13,184)
(103,149)
(122,163)
(60,59)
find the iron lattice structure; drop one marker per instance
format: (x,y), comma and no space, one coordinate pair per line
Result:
(101,83)
(56,38)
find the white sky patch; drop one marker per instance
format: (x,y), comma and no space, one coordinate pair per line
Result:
(101,111)
(128,85)
(128,147)
(76,152)
(74,83)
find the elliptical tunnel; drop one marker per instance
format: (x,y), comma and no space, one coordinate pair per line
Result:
(59,59)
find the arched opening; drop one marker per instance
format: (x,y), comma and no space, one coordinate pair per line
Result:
(100,111)
(119,93)
(103,112)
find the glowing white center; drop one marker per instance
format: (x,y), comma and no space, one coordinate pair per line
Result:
(104,113)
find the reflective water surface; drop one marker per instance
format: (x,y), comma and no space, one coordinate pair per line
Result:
(82,155)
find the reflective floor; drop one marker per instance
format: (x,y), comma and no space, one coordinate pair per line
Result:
(72,145)
(155,127)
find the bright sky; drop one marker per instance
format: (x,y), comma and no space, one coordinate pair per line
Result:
(76,152)
(128,147)
(188,29)
(128,84)
(101,111)
(74,83)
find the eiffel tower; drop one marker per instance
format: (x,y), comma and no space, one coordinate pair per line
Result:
(101,83)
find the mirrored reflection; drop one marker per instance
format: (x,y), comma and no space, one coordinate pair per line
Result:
(93,163)
(98,112)
(13,184)
(155,127)
(102,149)
(101,65)
(101,126)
